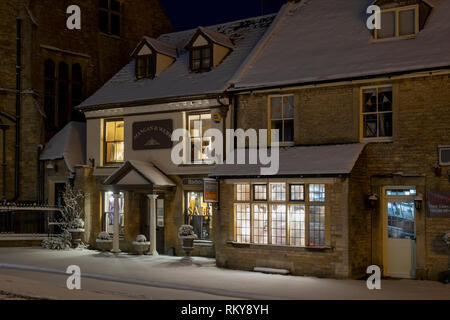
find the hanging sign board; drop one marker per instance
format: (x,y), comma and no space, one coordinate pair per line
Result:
(150,135)
(211,190)
(438,204)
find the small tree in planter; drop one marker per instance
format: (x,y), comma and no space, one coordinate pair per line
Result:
(73,214)
(186,233)
(104,241)
(141,244)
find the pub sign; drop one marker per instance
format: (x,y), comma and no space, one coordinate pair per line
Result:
(150,135)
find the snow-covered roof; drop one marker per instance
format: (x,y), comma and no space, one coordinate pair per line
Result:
(146,172)
(327,160)
(217,37)
(159,46)
(68,144)
(177,80)
(323,40)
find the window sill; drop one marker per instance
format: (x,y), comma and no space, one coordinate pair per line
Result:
(378,140)
(109,166)
(408,37)
(187,165)
(110,36)
(255,245)
(203,243)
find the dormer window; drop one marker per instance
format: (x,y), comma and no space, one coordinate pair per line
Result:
(398,22)
(145,66)
(207,49)
(153,57)
(201,58)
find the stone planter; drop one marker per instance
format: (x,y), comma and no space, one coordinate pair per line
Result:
(104,245)
(141,247)
(188,246)
(76,234)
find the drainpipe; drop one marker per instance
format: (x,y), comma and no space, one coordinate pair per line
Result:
(38,173)
(18,102)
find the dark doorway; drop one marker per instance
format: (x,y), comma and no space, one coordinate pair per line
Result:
(60,188)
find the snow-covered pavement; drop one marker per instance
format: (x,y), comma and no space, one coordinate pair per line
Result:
(39,272)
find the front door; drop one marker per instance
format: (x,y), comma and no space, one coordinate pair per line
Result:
(400,233)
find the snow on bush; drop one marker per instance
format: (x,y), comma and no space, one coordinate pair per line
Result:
(103,236)
(186,231)
(447,237)
(60,242)
(141,238)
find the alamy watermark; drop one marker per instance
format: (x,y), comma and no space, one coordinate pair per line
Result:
(74,280)
(210,148)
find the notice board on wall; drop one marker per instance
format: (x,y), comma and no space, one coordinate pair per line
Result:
(438,204)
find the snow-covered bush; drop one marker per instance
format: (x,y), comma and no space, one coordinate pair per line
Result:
(186,232)
(73,209)
(103,236)
(141,238)
(60,242)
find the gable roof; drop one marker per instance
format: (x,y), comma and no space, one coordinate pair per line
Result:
(177,81)
(159,46)
(216,37)
(321,40)
(68,144)
(145,171)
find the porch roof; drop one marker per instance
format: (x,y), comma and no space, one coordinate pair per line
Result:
(138,173)
(325,160)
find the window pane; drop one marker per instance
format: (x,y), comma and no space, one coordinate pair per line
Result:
(115,24)
(243,192)
(401,221)
(370,126)
(196,53)
(206,63)
(316,226)
(288,131)
(108,212)
(242,223)
(297,192)
(278,213)
(278,191)
(297,225)
(104,4)
(206,52)
(276,108)
(260,224)
(317,193)
(110,130)
(199,214)
(115,5)
(119,131)
(407,22)
(278,125)
(370,100)
(385,125)
(260,192)
(288,107)
(385,99)
(387,25)
(103,21)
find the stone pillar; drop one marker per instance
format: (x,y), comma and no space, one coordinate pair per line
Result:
(116,242)
(152,239)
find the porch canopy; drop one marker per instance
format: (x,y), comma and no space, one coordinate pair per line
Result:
(137,176)
(309,161)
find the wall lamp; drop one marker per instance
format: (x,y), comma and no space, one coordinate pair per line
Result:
(418,201)
(372,200)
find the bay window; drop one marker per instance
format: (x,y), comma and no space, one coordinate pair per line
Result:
(277,213)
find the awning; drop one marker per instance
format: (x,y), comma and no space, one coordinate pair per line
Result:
(138,173)
(320,161)
(68,144)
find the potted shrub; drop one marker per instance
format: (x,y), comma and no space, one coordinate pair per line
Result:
(186,233)
(104,241)
(141,244)
(76,229)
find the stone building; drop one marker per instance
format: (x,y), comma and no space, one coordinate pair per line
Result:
(364,124)
(59,68)
(177,81)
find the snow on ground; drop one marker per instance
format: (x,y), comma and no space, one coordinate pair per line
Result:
(168,278)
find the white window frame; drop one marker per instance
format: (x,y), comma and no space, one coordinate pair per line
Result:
(397,11)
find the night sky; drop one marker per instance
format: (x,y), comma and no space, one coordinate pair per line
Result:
(188,14)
